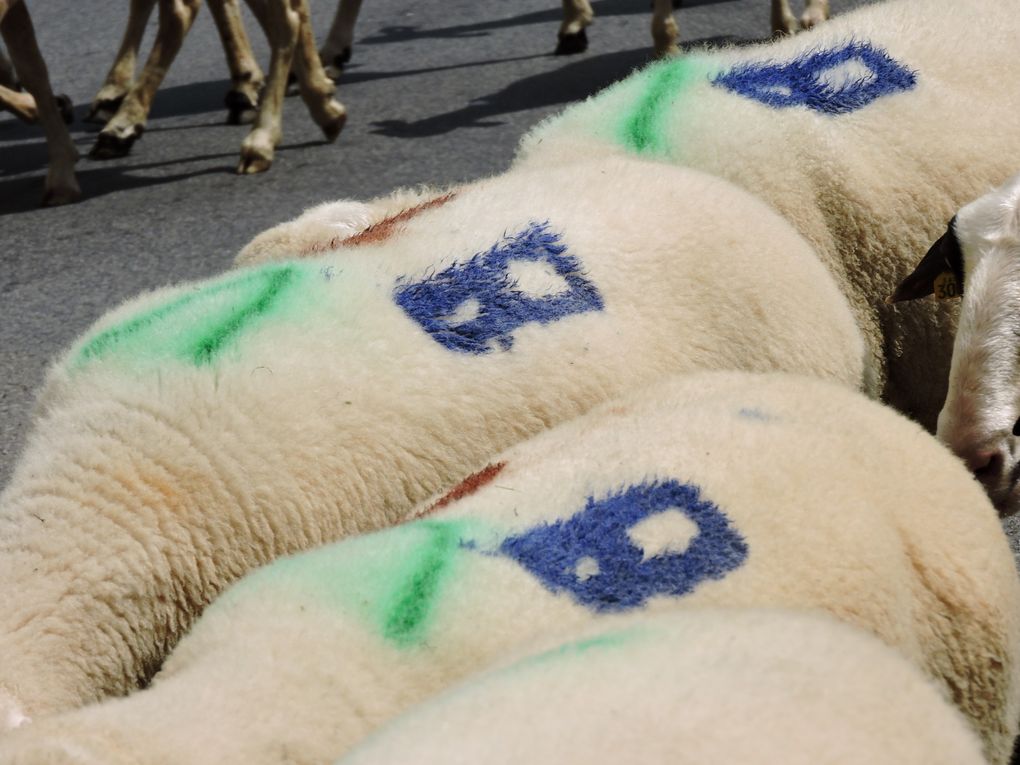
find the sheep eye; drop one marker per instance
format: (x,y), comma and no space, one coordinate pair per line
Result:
(1016,428)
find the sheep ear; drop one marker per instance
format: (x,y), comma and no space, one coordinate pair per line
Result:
(940,271)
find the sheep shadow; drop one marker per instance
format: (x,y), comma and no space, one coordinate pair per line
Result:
(572,82)
(23,193)
(398,33)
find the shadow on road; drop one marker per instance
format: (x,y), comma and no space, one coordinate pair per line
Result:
(566,84)
(22,194)
(397,33)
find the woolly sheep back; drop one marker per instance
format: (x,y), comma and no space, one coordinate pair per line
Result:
(709,490)
(204,429)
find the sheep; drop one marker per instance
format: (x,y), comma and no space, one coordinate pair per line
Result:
(19,35)
(741,685)
(200,430)
(852,132)
(287,25)
(980,420)
(711,490)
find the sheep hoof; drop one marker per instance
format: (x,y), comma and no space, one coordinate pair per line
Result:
(331,128)
(102,110)
(572,44)
(241,108)
(254,160)
(61,195)
(110,145)
(66,108)
(250,165)
(335,67)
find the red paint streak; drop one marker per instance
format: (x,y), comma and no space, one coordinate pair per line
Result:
(468,486)
(382,230)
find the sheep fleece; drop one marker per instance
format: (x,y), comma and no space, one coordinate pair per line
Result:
(741,685)
(204,429)
(831,502)
(866,133)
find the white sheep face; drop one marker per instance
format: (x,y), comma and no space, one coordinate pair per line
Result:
(980,420)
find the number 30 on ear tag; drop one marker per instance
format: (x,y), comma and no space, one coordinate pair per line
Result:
(946,286)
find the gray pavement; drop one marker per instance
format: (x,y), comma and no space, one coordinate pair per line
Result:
(437,92)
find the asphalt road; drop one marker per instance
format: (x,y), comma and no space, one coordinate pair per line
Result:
(437,92)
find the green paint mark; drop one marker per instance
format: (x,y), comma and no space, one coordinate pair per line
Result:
(609,640)
(218,335)
(415,598)
(199,324)
(644,128)
(392,580)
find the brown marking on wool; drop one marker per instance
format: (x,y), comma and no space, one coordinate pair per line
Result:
(468,486)
(382,230)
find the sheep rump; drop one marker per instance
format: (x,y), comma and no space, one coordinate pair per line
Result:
(641,507)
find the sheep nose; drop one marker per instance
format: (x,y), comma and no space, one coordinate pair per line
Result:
(985,464)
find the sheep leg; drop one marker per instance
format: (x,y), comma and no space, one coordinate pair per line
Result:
(577,14)
(282,26)
(316,87)
(18,103)
(122,73)
(246,78)
(664,29)
(815,12)
(127,125)
(336,51)
(8,77)
(18,33)
(783,20)
(289,30)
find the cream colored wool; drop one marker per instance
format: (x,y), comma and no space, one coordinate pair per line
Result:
(202,430)
(808,496)
(311,233)
(871,188)
(749,686)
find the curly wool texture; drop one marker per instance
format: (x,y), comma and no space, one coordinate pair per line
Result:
(202,430)
(832,503)
(867,134)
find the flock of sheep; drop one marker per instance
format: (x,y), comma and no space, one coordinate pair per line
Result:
(585,461)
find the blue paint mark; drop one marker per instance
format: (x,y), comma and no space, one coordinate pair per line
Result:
(624,580)
(496,306)
(802,82)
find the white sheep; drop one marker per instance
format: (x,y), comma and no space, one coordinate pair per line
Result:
(865,133)
(979,257)
(754,686)
(19,35)
(201,430)
(705,490)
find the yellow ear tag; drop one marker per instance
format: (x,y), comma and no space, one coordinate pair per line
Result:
(946,286)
